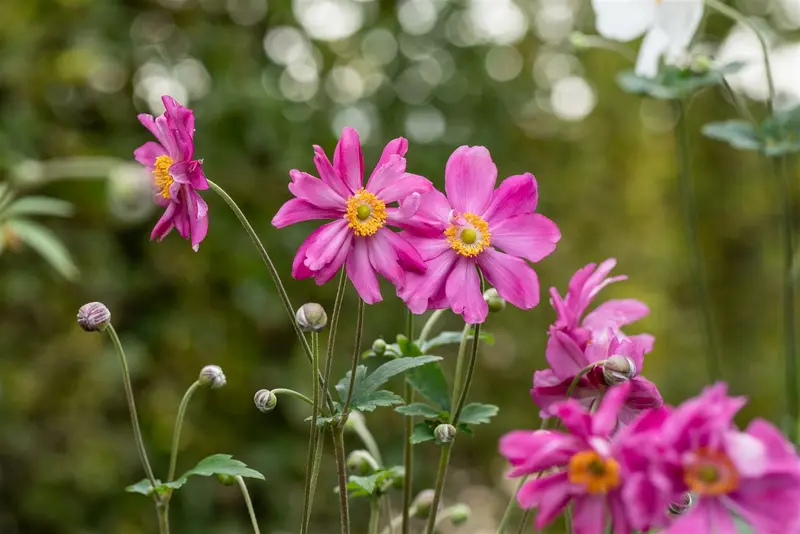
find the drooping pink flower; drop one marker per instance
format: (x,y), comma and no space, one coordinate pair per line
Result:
(584,467)
(177,176)
(461,232)
(358,238)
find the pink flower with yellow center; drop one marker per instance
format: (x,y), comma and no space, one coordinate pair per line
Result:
(176,175)
(466,230)
(359,237)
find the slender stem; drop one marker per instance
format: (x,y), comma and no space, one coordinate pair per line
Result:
(524,521)
(458,377)
(511,505)
(333,327)
(396,522)
(581,374)
(341,471)
(293,393)
(356,357)
(176,434)
(162,509)
(249,503)
(739,103)
(312,438)
(315,473)
(408,429)
(374,515)
(137,432)
(567,520)
(689,205)
(444,461)
(387,499)
(429,324)
(462,397)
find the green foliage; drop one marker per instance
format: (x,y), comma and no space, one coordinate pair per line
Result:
(675,83)
(37,205)
(46,243)
(419,409)
(430,382)
(451,338)
(476,413)
(777,136)
(737,133)
(216,464)
(377,483)
(472,414)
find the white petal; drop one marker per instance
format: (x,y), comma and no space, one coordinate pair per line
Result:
(654,45)
(679,19)
(623,20)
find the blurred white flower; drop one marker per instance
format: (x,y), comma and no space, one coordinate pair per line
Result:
(669,25)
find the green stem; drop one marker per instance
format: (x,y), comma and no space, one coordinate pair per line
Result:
(369,442)
(581,374)
(341,472)
(689,208)
(162,509)
(408,429)
(315,473)
(462,397)
(293,393)
(524,521)
(312,438)
(429,324)
(356,357)
(444,461)
(374,515)
(445,515)
(249,503)
(333,327)
(176,434)
(510,507)
(458,377)
(389,513)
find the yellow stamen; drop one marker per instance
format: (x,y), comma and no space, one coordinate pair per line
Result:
(469,239)
(592,471)
(366,213)
(711,473)
(161,176)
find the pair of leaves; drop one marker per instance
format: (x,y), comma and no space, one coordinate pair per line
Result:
(777,136)
(472,414)
(216,464)
(676,83)
(377,483)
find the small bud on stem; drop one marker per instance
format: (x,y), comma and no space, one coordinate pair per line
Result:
(459,514)
(94,317)
(678,508)
(212,375)
(379,346)
(361,463)
(445,433)
(422,503)
(311,317)
(494,300)
(618,369)
(265,400)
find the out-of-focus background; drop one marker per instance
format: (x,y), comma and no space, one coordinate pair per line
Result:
(267,79)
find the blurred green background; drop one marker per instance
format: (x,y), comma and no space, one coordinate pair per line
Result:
(266,81)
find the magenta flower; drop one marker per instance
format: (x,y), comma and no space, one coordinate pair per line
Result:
(462,232)
(176,175)
(358,237)
(584,467)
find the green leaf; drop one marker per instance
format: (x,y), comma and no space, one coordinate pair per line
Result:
(377,483)
(423,431)
(408,348)
(430,382)
(35,205)
(47,244)
(419,409)
(673,83)
(143,487)
(370,401)
(476,413)
(450,338)
(385,372)
(360,486)
(738,134)
(216,464)
(365,385)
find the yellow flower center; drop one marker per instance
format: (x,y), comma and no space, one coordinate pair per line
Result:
(711,473)
(593,472)
(161,176)
(366,213)
(469,235)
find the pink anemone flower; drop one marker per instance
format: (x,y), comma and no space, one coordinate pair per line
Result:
(461,232)
(358,238)
(177,176)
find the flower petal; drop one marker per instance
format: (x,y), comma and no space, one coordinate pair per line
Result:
(315,191)
(383,257)
(549,390)
(386,176)
(421,287)
(564,355)
(430,217)
(148,152)
(533,451)
(643,396)
(695,521)
(361,273)
(164,224)
(324,275)
(530,236)
(654,45)
(514,279)
(198,218)
(623,21)
(326,245)
(408,256)
(615,314)
(463,291)
(549,495)
(679,20)
(398,147)
(405,186)
(778,449)
(348,159)
(328,174)
(606,416)
(575,417)
(428,247)
(469,179)
(299,268)
(298,210)
(516,195)
(647,496)
(589,514)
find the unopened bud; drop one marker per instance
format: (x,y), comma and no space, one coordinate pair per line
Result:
(579,40)
(445,433)
(494,300)
(701,63)
(422,504)
(311,317)
(212,375)
(265,400)
(678,508)
(361,463)
(226,480)
(354,420)
(618,369)
(379,346)
(94,317)
(459,514)
(398,477)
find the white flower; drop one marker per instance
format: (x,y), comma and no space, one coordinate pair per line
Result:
(669,25)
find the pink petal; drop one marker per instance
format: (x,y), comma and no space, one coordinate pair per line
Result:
(614,313)
(421,287)
(564,356)
(469,179)
(514,279)
(643,396)
(329,175)
(777,448)
(516,195)
(324,275)
(722,520)
(619,514)
(298,210)
(531,452)
(463,290)
(549,495)
(181,219)
(148,152)
(589,514)
(530,236)
(299,269)
(326,244)
(183,117)
(348,160)
(198,219)
(405,186)
(575,417)
(315,191)
(164,224)
(410,259)
(644,342)
(695,521)
(428,247)
(605,418)
(769,503)
(430,217)
(361,273)
(647,495)
(397,147)
(549,390)
(386,175)
(383,257)
(158,128)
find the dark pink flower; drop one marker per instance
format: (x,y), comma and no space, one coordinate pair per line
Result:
(358,238)
(176,174)
(460,233)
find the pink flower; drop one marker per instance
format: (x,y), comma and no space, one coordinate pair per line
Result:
(462,231)
(358,237)
(176,175)
(584,466)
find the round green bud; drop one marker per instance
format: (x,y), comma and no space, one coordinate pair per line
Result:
(618,369)
(265,400)
(94,317)
(361,463)
(459,514)
(445,433)
(379,346)
(422,504)
(311,317)
(494,300)
(226,480)
(212,375)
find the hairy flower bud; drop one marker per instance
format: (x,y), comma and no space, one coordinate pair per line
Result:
(379,346)
(354,420)
(226,480)
(361,463)
(94,317)
(618,369)
(678,508)
(265,400)
(422,504)
(494,300)
(445,433)
(459,514)
(311,317)
(212,375)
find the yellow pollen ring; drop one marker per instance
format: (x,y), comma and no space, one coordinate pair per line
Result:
(711,473)
(366,213)
(161,176)
(470,239)
(595,473)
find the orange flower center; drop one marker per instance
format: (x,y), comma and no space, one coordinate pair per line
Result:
(710,472)
(468,234)
(161,176)
(366,213)
(593,472)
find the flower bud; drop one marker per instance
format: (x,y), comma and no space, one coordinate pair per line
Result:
(212,375)
(94,317)
(678,508)
(354,420)
(311,317)
(265,400)
(379,346)
(361,463)
(398,478)
(618,369)
(494,300)
(701,63)
(459,514)
(445,433)
(226,480)
(422,504)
